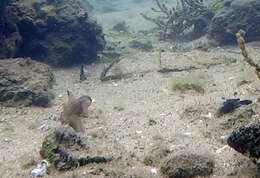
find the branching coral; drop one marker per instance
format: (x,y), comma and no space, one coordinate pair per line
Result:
(241,43)
(187,15)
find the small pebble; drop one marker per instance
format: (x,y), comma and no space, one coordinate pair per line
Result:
(53,117)
(223,138)
(7,140)
(153,171)
(141,147)
(139,131)
(114,84)
(187,134)
(3,120)
(44,127)
(218,151)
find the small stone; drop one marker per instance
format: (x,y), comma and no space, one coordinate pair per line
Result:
(223,139)
(53,117)
(141,147)
(218,151)
(152,122)
(139,131)
(7,140)
(187,134)
(209,115)
(114,84)
(44,127)
(3,120)
(154,171)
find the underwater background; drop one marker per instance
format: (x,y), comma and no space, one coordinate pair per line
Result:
(158,88)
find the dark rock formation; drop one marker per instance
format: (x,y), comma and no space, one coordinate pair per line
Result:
(235,15)
(141,45)
(247,141)
(25,82)
(58,32)
(3,4)
(187,165)
(230,105)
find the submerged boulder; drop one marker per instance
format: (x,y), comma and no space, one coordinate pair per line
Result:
(24,82)
(187,165)
(58,32)
(235,15)
(246,140)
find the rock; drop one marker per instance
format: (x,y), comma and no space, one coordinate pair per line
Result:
(56,32)
(246,140)
(241,117)
(235,15)
(25,82)
(121,27)
(187,165)
(155,154)
(44,127)
(141,45)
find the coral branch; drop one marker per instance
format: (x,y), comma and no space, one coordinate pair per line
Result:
(241,43)
(187,15)
(103,76)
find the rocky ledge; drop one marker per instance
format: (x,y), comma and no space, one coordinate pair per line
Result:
(236,15)
(57,32)
(24,82)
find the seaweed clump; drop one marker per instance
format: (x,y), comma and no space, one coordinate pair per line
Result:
(186,84)
(187,16)
(57,148)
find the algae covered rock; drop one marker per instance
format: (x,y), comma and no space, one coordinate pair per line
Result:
(187,165)
(24,82)
(57,32)
(59,147)
(235,15)
(246,140)
(156,154)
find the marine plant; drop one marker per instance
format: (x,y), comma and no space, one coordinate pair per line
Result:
(186,84)
(59,149)
(241,43)
(82,75)
(177,21)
